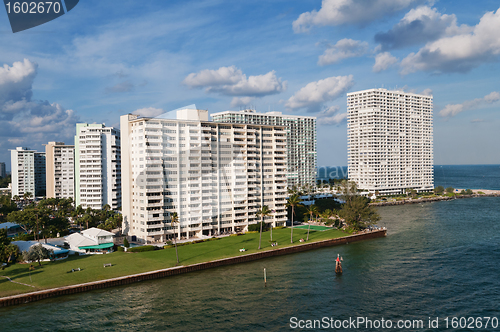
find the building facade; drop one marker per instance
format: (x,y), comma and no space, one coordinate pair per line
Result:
(390,141)
(215,176)
(97,166)
(28,172)
(60,169)
(300,137)
(3,170)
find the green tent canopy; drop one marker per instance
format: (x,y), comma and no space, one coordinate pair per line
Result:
(99,246)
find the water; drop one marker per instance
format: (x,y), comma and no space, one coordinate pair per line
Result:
(468,176)
(439,260)
(456,176)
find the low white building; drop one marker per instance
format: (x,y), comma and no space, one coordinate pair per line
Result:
(91,241)
(59,253)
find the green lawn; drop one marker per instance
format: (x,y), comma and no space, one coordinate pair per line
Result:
(313,227)
(56,274)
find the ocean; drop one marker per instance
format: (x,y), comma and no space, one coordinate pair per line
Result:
(456,176)
(439,261)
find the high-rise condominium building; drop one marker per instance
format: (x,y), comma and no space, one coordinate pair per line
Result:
(300,139)
(60,170)
(390,141)
(28,172)
(3,171)
(97,166)
(215,176)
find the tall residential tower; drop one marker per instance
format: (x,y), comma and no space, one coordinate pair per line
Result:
(390,141)
(28,172)
(215,176)
(97,166)
(60,170)
(300,139)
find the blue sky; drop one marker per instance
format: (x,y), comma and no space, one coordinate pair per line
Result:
(108,58)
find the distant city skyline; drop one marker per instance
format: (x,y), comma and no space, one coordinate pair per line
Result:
(106,59)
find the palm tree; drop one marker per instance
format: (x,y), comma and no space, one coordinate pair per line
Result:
(326,215)
(11,251)
(174,219)
(293,201)
(310,210)
(263,212)
(316,212)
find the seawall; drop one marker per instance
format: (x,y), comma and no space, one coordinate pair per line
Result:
(126,280)
(432,199)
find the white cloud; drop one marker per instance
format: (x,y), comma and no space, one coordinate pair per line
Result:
(451,110)
(383,61)
(469,48)
(26,121)
(241,101)
(149,112)
(343,49)
(338,12)
(427,92)
(331,116)
(16,81)
(419,26)
(231,81)
(207,77)
(314,94)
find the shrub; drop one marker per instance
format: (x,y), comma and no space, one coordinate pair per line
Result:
(125,243)
(120,248)
(256,227)
(142,249)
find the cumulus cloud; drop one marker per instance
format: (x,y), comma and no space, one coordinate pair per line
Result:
(16,81)
(469,48)
(338,12)
(241,101)
(451,110)
(343,49)
(230,81)
(149,112)
(207,77)
(419,26)
(27,121)
(383,61)
(314,94)
(331,116)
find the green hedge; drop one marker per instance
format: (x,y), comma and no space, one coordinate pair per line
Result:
(142,249)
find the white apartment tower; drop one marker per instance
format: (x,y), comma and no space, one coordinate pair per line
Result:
(60,170)
(213,175)
(390,141)
(97,166)
(28,172)
(300,135)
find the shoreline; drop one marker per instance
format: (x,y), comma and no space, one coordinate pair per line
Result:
(172,271)
(492,193)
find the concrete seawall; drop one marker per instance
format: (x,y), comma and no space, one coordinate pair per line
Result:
(126,280)
(432,199)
